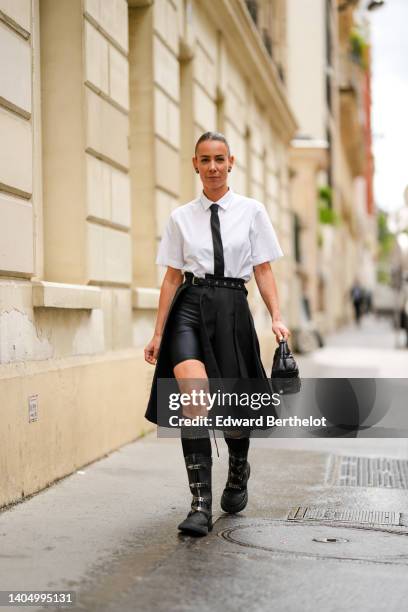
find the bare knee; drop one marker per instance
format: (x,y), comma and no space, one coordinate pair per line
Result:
(190,368)
(192,377)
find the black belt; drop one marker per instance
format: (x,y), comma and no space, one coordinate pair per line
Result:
(214,281)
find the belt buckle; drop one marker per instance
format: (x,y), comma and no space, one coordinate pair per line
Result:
(193,281)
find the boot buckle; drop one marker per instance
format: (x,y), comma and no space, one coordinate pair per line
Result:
(196,466)
(199,485)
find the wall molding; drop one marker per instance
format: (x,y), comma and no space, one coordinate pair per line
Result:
(145,298)
(61,295)
(17,110)
(99,92)
(13,25)
(108,37)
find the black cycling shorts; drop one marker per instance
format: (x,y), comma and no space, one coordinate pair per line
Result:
(184,337)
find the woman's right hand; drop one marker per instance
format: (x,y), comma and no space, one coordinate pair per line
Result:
(152,349)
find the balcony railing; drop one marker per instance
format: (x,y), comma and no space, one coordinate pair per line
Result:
(254,12)
(352,114)
(350,76)
(252,6)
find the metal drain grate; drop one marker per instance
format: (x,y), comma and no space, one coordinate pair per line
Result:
(344,515)
(373,472)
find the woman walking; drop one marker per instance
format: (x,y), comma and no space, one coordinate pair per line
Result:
(204,328)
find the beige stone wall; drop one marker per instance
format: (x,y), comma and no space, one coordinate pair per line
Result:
(16,143)
(307,159)
(99,131)
(85,409)
(86,160)
(65,220)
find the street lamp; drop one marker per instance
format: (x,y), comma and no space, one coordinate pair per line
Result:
(375,4)
(371,5)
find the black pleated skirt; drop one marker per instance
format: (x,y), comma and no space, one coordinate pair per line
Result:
(229,344)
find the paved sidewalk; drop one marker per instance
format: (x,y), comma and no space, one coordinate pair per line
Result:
(109,532)
(374,349)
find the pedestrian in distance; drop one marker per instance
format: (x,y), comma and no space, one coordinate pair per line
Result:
(357,298)
(204,328)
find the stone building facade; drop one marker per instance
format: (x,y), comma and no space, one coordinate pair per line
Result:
(101,102)
(329,93)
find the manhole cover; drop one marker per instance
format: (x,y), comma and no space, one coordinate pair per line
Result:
(330,540)
(311,540)
(373,472)
(344,515)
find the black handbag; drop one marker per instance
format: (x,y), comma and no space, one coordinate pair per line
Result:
(285,372)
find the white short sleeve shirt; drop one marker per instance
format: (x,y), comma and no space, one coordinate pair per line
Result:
(247,235)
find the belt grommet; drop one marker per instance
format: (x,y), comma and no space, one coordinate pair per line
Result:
(225,283)
(216,282)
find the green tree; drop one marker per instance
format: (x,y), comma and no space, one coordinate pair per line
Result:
(327,215)
(386,239)
(358,49)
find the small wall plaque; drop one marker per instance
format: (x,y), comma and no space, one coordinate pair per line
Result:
(32,408)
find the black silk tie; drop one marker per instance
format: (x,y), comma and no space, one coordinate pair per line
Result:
(217,242)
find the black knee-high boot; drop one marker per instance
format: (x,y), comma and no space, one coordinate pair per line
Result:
(235,495)
(197,456)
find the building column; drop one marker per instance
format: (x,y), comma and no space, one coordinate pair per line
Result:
(85,107)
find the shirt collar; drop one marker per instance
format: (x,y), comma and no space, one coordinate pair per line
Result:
(222,202)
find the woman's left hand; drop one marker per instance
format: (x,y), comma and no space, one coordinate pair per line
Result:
(280,330)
